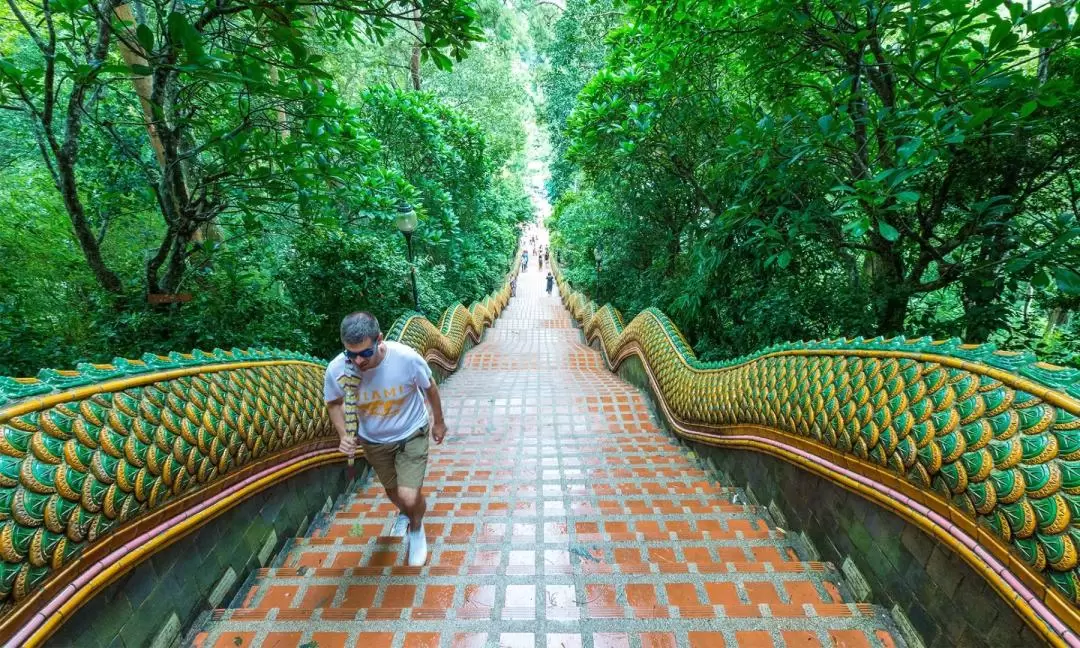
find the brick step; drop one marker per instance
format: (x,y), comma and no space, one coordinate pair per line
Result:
(518,565)
(593,527)
(685,476)
(675,467)
(386,551)
(624,461)
(630,443)
(793,583)
(305,553)
(601,508)
(678,468)
(324,518)
(625,455)
(328,616)
(612,635)
(558,506)
(796,579)
(503,492)
(496,533)
(595,564)
(551,532)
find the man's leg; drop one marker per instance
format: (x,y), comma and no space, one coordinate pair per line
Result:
(381,459)
(411,468)
(413,504)
(392,493)
(401,523)
(411,463)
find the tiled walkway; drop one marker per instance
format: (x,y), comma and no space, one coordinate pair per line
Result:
(560,516)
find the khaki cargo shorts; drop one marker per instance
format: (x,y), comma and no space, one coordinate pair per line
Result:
(402,463)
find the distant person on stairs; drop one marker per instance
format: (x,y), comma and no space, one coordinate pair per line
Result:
(375,392)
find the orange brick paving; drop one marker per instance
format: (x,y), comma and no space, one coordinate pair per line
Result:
(560,516)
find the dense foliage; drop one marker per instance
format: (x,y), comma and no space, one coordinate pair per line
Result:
(775,170)
(762,171)
(253,156)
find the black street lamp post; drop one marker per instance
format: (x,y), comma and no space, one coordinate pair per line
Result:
(406,224)
(598,254)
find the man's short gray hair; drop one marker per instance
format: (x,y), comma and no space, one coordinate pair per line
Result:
(359,326)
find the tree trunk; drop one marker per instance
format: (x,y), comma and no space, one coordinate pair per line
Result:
(1054,318)
(153,265)
(984,309)
(281,117)
(141,82)
(982,291)
(414,68)
(144,89)
(177,262)
(891,314)
(1027,305)
(414,63)
(67,155)
(889,292)
(108,279)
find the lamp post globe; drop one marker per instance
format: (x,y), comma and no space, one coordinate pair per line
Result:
(406,222)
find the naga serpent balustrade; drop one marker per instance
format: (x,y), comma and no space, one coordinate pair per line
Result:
(92,459)
(979,447)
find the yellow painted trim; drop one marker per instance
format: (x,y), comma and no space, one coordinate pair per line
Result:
(118,384)
(1052,396)
(927,526)
(160,542)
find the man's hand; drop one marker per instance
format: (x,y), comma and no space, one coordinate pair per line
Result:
(347,445)
(438,432)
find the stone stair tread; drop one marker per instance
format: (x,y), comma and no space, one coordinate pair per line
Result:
(778,568)
(761,610)
(643,539)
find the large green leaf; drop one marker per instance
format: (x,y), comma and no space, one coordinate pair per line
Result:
(888,232)
(1068,280)
(181,31)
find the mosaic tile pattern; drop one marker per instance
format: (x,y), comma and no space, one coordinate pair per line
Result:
(87,451)
(993,435)
(73,472)
(560,516)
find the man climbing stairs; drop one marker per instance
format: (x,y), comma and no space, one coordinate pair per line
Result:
(560,516)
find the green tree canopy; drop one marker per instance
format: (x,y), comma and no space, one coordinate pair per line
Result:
(816,169)
(223,150)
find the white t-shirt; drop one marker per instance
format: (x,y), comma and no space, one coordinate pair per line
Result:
(384,404)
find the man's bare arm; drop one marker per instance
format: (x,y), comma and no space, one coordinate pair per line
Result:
(347,442)
(438,430)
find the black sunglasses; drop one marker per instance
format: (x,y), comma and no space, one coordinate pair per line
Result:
(366,353)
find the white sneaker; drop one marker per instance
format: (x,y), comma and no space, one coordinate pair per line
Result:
(401,526)
(417,547)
